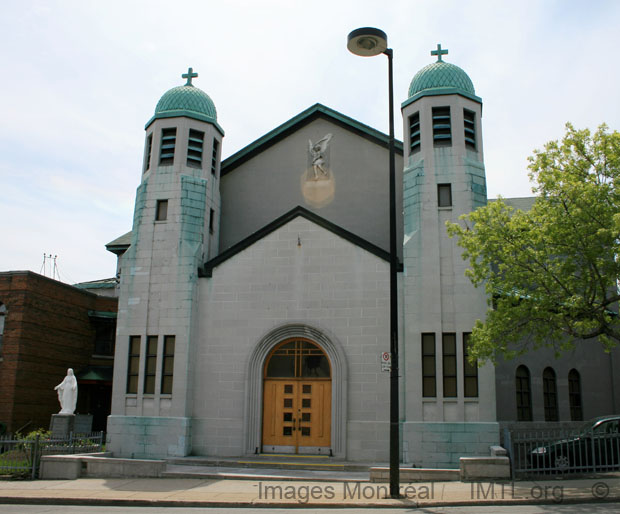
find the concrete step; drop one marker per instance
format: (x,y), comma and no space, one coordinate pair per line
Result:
(274,461)
(263,474)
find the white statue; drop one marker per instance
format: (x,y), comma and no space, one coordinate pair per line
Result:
(317,152)
(67,393)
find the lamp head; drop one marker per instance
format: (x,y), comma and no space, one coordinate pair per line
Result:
(367,42)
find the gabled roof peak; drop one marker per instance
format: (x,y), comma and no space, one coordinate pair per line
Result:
(303,118)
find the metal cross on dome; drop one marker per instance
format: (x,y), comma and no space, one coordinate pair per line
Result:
(189,76)
(439,52)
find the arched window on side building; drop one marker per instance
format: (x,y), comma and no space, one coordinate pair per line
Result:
(524,394)
(574,395)
(550,395)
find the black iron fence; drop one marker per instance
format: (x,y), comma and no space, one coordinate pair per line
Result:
(566,452)
(20,456)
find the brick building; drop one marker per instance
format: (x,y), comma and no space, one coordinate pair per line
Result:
(46,327)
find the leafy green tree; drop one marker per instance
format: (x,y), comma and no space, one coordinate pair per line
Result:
(551,273)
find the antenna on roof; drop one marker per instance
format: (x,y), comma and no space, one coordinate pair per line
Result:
(50,260)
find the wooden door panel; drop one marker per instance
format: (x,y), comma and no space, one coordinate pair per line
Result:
(279,413)
(314,414)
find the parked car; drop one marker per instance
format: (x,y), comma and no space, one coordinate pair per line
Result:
(595,448)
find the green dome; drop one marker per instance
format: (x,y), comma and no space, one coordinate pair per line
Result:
(185,101)
(440,75)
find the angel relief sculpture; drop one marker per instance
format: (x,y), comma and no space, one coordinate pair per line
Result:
(317,154)
(318,185)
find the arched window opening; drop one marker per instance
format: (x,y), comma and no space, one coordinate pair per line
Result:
(574,395)
(524,394)
(297,359)
(550,395)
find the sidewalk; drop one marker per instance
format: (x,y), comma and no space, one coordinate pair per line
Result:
(186,492)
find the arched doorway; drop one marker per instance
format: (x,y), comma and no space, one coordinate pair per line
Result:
(297,399)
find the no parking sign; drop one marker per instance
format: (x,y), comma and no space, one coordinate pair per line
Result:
(386,361)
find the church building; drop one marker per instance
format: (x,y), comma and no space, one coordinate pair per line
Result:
(254,291)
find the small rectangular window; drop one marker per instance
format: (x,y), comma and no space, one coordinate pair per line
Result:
(216,146)
(167,365)
(442,126)
(104,335)
(429,373)
(194,148)
(414,133)
(449,365)
(133,364)
(161,210)
(470,371)
(168,144)
(469,120)
(147,152)
(211,220)
(150,365)
(444,195)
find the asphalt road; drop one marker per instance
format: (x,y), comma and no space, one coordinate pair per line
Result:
(583,508)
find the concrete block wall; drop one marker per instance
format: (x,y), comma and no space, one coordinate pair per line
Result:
(300,273)
(441,445)
(149,436)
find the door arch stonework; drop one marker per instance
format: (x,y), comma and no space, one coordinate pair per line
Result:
(254,384)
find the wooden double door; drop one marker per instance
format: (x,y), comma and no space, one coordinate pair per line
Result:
(297,408)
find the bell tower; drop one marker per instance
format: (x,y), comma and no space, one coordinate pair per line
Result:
(444,177)
(175,229)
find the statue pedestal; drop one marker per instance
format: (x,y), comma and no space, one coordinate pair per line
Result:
(62,425)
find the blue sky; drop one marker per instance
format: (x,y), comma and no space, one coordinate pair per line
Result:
(81,78)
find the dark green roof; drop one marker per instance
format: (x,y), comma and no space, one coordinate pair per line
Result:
(104,283)
(441,74)
(95,373)
(187,101)
(120,244)
(207,269)
(441,78)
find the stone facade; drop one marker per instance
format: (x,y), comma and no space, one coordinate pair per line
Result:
(286,243)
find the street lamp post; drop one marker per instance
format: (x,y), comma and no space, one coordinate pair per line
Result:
(369,42)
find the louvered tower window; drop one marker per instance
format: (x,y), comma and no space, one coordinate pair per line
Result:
(194,148)
(147,154)
(469,119)
(168,143)
(414,133)
(442,128)
(216,146)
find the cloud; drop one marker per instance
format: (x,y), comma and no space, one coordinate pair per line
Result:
(82,78)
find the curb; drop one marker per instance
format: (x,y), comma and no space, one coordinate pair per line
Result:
(103,502)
